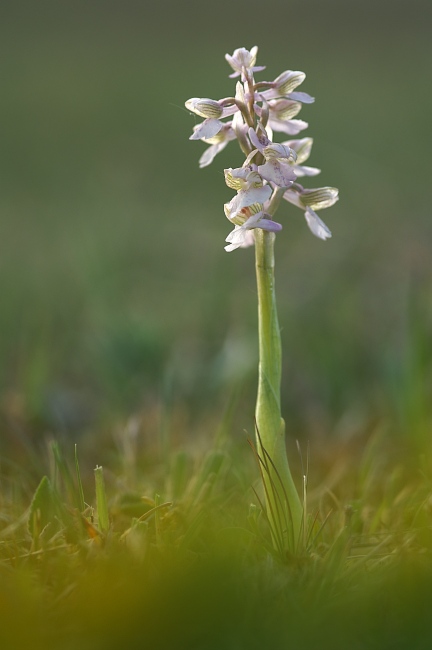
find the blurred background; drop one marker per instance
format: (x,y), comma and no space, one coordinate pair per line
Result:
(117,299)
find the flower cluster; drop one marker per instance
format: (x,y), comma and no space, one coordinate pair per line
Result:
(270,170)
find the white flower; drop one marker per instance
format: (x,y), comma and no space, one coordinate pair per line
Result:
(284,85)
(241,236)
(281,112)
(242,178)
(302,148)
(311,200)
(243,60)
(275,169)
(204,107)
(217,143)
(213,110)
(256,111)
(236,211)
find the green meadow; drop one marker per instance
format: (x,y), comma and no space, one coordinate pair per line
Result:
(128,336)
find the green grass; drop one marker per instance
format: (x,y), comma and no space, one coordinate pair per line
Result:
(177,552)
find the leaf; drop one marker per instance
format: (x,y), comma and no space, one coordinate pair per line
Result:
(42,508)
(101,501)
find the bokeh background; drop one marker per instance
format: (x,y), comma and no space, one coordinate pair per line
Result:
(117,298)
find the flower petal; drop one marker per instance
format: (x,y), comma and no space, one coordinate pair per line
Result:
(288,80)
(259,141)
(243,58)
(302,148)
(206,129)
(269,225)
(304,98)
(284,109)
(291,127)
(250,196)
(204,107)
(277,150)
(246,240)
(210,153)
(242,178)
(319,197)
(301,170)
(254,221)
(249,239)
(276,171)
(316,226)
(229,110)
(236,236)
(240,237)
(293,197)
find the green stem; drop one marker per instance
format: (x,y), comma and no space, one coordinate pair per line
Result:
(283,503)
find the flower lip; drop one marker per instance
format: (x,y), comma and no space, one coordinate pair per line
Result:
(206,130)
(217,143)
(239,237)
(278,172)
(245,198)
(316,225)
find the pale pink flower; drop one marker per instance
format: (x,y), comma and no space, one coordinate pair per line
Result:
(241,236)
(256,111)
(277,156)
(311,200)
(243,60)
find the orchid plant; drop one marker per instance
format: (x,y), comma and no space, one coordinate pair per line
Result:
(268,175)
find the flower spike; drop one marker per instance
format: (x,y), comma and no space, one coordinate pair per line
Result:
(270,169)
